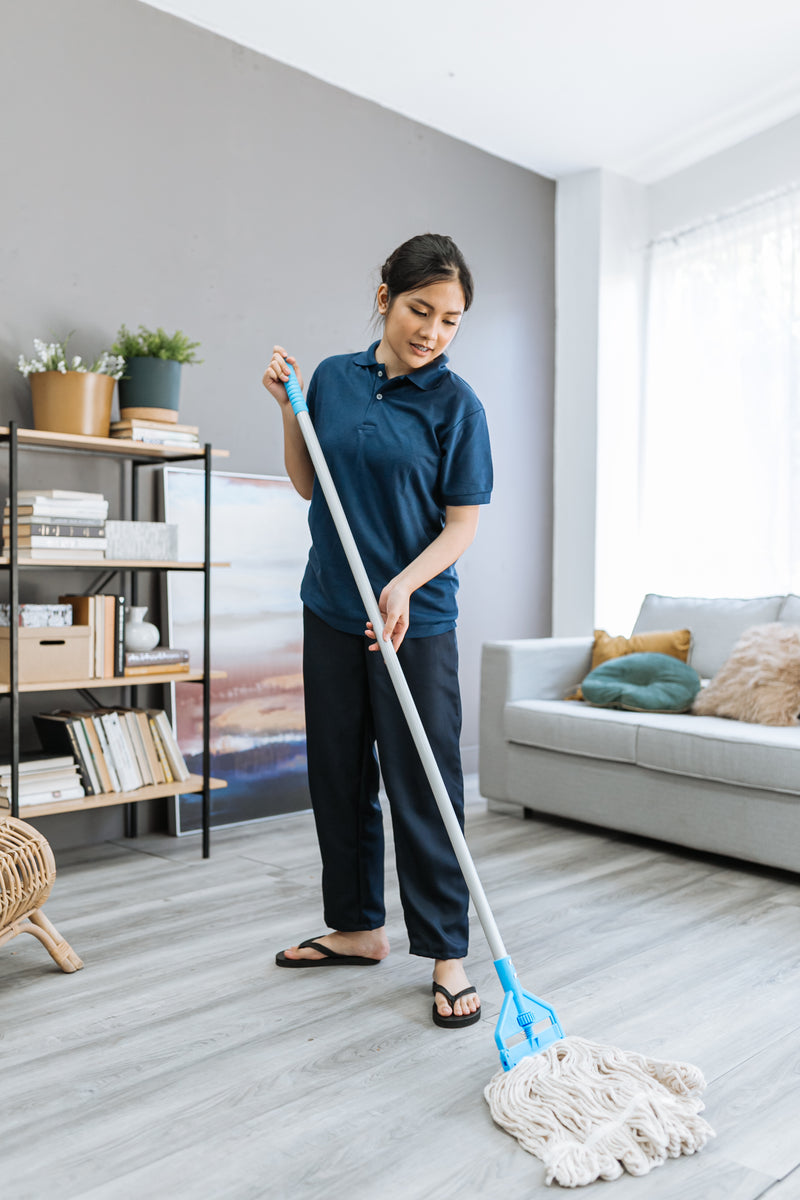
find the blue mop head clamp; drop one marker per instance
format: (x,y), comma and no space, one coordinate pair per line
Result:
(526,1024)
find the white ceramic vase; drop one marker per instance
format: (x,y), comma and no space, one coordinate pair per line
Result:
(140,634)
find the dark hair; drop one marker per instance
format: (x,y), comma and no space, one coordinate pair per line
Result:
(426,258)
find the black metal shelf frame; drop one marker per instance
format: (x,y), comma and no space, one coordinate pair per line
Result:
(137,459)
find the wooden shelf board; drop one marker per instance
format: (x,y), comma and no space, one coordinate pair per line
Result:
(103,445)
(99,564)
(67,685)
(154,792)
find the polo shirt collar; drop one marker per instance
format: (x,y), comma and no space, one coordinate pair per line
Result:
(424,378)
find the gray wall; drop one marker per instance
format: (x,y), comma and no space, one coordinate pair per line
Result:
(157,173)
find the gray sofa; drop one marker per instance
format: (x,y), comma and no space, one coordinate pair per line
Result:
(709,783)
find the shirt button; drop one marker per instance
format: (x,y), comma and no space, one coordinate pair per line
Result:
(380,374)
(379,396)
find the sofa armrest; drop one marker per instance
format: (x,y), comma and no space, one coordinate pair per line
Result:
(533,669)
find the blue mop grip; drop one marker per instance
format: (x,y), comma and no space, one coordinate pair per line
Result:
(526,1024)
(294,392)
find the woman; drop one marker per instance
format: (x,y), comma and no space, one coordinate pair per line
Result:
(407,445)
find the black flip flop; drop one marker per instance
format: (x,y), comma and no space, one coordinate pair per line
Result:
(331,959)
(453,1022)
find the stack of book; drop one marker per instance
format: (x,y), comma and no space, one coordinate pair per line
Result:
(157,433)
(42,781)
(52,524)
(116,749)
(163,660)
(105,616)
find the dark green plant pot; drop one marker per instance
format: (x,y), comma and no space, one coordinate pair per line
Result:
(150,388)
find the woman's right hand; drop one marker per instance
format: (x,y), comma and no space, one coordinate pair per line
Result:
(277,374)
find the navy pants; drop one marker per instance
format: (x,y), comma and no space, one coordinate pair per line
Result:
(350,706)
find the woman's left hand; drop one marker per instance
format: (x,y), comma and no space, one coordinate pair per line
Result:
(393,603)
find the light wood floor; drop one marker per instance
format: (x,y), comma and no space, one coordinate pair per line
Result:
(180,1063)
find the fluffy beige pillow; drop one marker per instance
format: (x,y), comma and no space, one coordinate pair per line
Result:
(760,682)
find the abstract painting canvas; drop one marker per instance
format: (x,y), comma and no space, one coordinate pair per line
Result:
(259,526)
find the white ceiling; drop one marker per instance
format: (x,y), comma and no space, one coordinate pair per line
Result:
(634,86)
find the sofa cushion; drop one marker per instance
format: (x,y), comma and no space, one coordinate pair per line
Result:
(730,752)
(572,728)
(716,625)
(643,683)
(675,642)
(760,682)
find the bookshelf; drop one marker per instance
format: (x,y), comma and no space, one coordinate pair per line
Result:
(138,455)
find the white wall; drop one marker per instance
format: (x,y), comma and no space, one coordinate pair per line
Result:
(603,226)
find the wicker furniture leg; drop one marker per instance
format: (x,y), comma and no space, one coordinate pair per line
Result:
(27,873)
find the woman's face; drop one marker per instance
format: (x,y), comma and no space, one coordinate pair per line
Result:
(418,325)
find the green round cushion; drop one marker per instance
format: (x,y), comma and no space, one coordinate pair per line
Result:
(642,683)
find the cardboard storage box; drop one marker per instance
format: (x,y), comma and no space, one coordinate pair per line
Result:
(47,655)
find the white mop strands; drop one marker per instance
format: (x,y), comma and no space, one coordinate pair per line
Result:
(590,1111)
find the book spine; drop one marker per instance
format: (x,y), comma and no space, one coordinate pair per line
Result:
(176,760)
(158,669)
(111,767)
(32,529)
(119,647)
(62,543)
(161,752)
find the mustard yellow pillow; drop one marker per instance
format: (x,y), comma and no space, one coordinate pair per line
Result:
(675,642)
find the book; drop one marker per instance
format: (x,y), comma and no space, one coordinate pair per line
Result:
(106,784)
(57,542)
(31,529)
(124,763)
(39,762)
(142,423)
(119,635)
(83,523)
(57,494)
(158,669)
(149,745)
(56,732)
(58,511)
(43,554)
(39,798)
(159,654)
(135,737)
(108,758)
(37,783)
(177,762)
(160,751)
(155,437)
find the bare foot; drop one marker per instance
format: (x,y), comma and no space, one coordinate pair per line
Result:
(368,943)
(450,973)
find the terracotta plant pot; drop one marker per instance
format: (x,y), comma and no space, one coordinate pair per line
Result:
(77,402)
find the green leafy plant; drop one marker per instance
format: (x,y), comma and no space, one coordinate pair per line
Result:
(52,356)
(149,343)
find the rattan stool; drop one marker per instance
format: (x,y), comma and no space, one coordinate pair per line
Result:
(27,873)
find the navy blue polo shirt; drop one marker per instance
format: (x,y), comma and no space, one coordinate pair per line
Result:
(399,450)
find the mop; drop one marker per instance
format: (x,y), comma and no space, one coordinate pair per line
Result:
(588,1111)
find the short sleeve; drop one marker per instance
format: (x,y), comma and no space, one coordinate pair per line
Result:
(466,475)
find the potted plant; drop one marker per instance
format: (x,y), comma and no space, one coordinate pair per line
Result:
(150,387)
(72,397)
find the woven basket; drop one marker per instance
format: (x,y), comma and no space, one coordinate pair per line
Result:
(27,874)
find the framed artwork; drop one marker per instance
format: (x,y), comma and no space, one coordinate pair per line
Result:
(259,526)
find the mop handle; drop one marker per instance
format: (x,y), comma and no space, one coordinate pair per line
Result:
(399,682)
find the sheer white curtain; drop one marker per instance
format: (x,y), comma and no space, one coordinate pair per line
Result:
(719,494)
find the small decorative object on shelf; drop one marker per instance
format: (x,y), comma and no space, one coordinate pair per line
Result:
(140,634)
(71,397)
(38,616)
(150,386)
(145,541)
